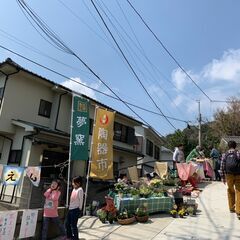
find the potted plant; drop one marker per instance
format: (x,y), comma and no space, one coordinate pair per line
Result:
(111,217)
(156,183)
(125,218)
(191,211)
(181,213)
(120,188)
(102,215)
(134,192)
(145,191)
(88,210)
(174,213)
(141,214)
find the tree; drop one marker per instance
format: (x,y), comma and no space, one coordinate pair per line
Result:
(189,138)
(227,121)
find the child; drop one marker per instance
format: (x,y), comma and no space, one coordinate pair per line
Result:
(50,209)
(75,207)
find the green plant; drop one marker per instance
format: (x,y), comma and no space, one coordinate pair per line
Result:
(191,210)
(111,217)
(120,187)
(124,214)
(141,211)
(102,215)
(145,191)
(88,209)
(134,191)
(181,213)
(174,213)
(156,183)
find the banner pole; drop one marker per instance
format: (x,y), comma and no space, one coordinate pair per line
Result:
(69,155)
(89,164)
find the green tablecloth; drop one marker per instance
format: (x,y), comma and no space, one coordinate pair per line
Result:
(154,204)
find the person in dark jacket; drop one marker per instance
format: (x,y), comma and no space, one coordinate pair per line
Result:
(230,174)
(215,155)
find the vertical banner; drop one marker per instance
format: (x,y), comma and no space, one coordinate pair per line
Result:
(12,175)
(28,224)
(7,224)
(102,145)
(34,174)
(80,129)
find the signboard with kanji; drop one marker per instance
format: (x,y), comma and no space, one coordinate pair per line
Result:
(102,145)
(7,224)
(28,224)
(80,129)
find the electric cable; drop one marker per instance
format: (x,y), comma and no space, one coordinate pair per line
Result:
(133,71)
(165,48)
(84,85)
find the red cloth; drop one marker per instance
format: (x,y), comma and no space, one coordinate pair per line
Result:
(183,171)
(208,168)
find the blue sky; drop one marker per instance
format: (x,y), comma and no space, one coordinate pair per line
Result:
(202,35)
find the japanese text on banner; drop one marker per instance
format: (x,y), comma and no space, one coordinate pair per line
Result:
(80,129)
(28,224)
(12,175)
(102,149)
(7,224)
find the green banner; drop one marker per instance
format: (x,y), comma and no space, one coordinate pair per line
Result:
(80,129)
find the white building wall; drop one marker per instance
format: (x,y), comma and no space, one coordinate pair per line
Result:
(24,103)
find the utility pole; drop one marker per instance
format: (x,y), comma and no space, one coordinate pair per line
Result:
(199,125)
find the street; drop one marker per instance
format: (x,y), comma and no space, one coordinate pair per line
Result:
(213,221)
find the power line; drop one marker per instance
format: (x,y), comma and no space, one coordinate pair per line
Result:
(140,49)
(31,48)
(53,37)
(130,66)
(168,52)
(84,85)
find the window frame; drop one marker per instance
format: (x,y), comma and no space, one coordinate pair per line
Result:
(15,156)
(45,110)
(149,148)
(156,150)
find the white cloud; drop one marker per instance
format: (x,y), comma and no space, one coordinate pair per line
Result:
(154,89)
(178,100)
(226,68)
(82,89)
(179,78)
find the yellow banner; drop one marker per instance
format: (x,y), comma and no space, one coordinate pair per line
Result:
(102,148)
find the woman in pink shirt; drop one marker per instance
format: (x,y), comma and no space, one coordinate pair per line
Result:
(50,209)
(75,207)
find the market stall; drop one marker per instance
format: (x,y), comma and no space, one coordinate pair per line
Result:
(154,204)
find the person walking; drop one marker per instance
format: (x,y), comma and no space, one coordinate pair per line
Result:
(215,155)
(75,208)
(178,156)
(50,212)
(230,174)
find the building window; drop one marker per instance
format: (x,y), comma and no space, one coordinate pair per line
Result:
(120,132)
(156,153)
(124,134)
(45,108)
(15,156)
(149,148)
(1,92)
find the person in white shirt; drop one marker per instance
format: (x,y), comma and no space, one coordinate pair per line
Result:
(75,208)
(178,155)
